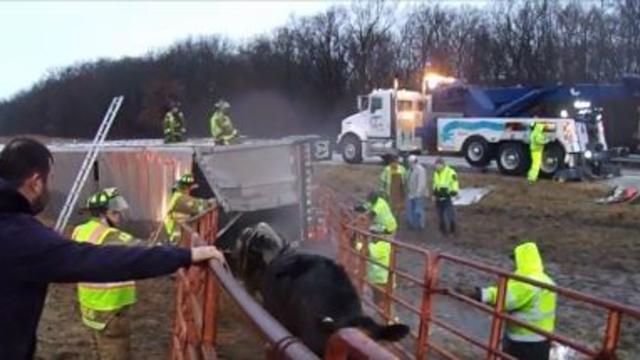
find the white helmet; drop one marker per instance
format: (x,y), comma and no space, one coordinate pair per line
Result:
(223,105)
(413,159)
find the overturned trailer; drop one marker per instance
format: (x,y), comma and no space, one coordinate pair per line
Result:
(259,179)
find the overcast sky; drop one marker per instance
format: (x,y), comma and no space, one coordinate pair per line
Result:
(39,35)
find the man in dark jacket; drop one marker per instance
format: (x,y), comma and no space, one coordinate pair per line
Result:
(33,255)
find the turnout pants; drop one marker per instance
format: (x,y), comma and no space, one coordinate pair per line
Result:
(534,170)
(446,216)
(113,342)
(538,350)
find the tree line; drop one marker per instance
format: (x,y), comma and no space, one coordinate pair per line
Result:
(304,76)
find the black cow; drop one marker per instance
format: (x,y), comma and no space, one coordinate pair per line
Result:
(309,294)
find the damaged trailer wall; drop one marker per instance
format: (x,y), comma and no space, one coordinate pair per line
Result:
(143,176)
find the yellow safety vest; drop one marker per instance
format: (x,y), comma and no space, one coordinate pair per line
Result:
(173,231)
(100,297)
(384,183)
(445,179)
(379,249)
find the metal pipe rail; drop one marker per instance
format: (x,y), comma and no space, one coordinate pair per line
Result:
(347,231)
(197,306)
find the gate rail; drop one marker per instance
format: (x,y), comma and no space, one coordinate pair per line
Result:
(347,227)
(197,306)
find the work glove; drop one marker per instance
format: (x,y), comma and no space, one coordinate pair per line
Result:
(360,208)
(469,291)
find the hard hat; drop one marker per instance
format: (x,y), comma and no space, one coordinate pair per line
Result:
(107,199)
(413,159)
(185,180)
(222,104)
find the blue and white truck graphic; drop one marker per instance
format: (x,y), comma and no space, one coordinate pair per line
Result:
(505,140)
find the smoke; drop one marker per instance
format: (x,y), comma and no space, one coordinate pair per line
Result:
(271,114)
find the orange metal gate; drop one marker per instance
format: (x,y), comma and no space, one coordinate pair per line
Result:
(341,225)
(198,289)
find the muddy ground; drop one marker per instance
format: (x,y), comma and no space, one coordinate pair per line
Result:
(587,247)
(63,337)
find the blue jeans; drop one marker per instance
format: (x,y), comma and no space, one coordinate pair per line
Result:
(415,213)
(446,216)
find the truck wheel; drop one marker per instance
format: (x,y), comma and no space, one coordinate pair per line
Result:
(477,151)
(552,160)
(351,149)
(513,159)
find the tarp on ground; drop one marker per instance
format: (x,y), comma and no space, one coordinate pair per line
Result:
(470,196)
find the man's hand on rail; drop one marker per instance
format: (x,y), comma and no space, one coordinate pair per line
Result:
(204,253)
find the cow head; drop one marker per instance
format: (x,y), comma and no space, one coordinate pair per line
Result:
(256,247)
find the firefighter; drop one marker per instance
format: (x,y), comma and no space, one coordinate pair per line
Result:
(526,302)
(445,186)
(384,223)
(536,147)
(105,306)
(222,129)
(182,206)
(392,183)
(173,124)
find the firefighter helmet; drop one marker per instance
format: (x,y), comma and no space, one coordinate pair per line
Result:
(107,199)
(185,180)
(222,105)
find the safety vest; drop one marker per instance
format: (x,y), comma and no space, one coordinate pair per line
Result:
(445,179)
(173,216)
(173,231)
(100,297)
(380,250)
(536,138)
(387,174)
(221,127)
(527,302)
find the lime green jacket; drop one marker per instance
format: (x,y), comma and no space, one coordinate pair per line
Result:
(527,302)
(536,138)
(100,301)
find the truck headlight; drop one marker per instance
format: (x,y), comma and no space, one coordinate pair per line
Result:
(588,155)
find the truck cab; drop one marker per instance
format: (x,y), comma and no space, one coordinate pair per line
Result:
(385,123)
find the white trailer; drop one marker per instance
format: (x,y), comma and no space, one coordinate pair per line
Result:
(385,123)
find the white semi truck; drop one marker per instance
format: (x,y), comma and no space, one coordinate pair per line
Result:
(385,123)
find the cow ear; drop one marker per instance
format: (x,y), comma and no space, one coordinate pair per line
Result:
(393,332)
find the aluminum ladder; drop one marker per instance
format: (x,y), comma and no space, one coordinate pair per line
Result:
(87,164)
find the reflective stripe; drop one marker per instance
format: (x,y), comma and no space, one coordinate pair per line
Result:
(113,285)
(97,298)
(530,337)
